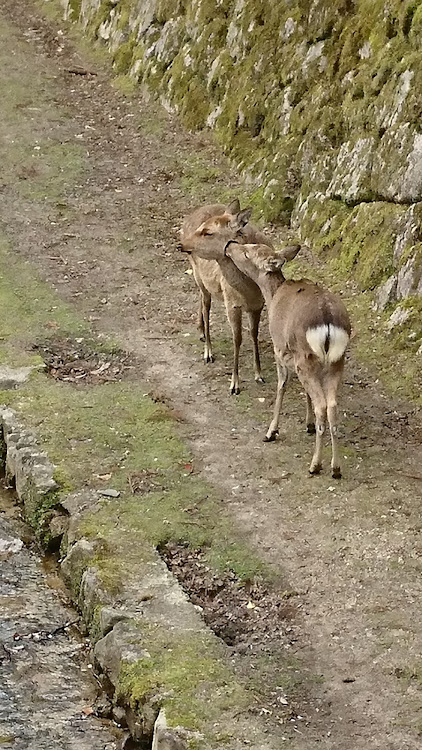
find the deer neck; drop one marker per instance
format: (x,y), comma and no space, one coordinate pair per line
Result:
(269,283)
(235,277)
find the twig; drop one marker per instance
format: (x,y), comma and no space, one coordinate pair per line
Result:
(410,476)
(44,635)
(80,72)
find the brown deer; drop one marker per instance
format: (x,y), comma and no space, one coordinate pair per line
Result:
(223,279)
(309,326)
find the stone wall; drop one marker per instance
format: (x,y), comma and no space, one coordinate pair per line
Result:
(319,103)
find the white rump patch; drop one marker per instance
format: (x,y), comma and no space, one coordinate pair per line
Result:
(338,340)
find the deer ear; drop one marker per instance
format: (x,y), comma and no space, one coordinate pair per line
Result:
(273,264)
(289,252)
(241,219)
(202,229)
(233,207)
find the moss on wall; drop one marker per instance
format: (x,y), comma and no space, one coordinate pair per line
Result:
(310,98)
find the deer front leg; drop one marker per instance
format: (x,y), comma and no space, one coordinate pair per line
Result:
(234,315)
(254,318)
(282,375)
(205,311)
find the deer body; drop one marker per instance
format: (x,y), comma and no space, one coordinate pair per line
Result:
(310,331)
(309,326)
(222,279)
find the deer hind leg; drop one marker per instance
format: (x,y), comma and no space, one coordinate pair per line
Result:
(234,315)
(310,419)
(254,318)
(331,386)
(205,314)
(201,326)
(282,373)
(315,392)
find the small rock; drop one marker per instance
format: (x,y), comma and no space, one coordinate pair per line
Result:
(12,377)
(109,493)
(109,616)
(119,716)
(10,546)
(386,293)
(165,738)
(57,527)
(399,316)
(102,706)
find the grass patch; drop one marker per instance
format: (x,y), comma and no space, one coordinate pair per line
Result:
(109,428)
(29,310)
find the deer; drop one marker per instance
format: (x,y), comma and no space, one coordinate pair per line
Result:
(309,326)
(221,278)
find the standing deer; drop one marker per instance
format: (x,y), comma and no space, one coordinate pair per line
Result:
(223,279)
(309,326)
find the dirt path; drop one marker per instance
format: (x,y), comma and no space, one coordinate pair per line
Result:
(351,550)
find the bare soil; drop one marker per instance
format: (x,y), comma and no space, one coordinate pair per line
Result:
(350,549)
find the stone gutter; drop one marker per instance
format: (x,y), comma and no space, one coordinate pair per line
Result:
(119,640)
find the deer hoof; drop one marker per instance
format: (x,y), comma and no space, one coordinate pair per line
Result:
(315,469)
(270,438)
(310,428)
(336,472)
(234,390)
(259,379)
(208,358)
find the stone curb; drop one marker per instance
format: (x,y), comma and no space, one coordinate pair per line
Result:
(119,642)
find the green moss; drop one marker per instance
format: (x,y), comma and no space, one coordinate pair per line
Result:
(199,689)
(409,334)
(191,98)
(125,84)
(198,176)
(101,15)
(74,9)
(361,239)
(39,510)
(124,55)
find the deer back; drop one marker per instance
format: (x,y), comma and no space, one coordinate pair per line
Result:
(301,307)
